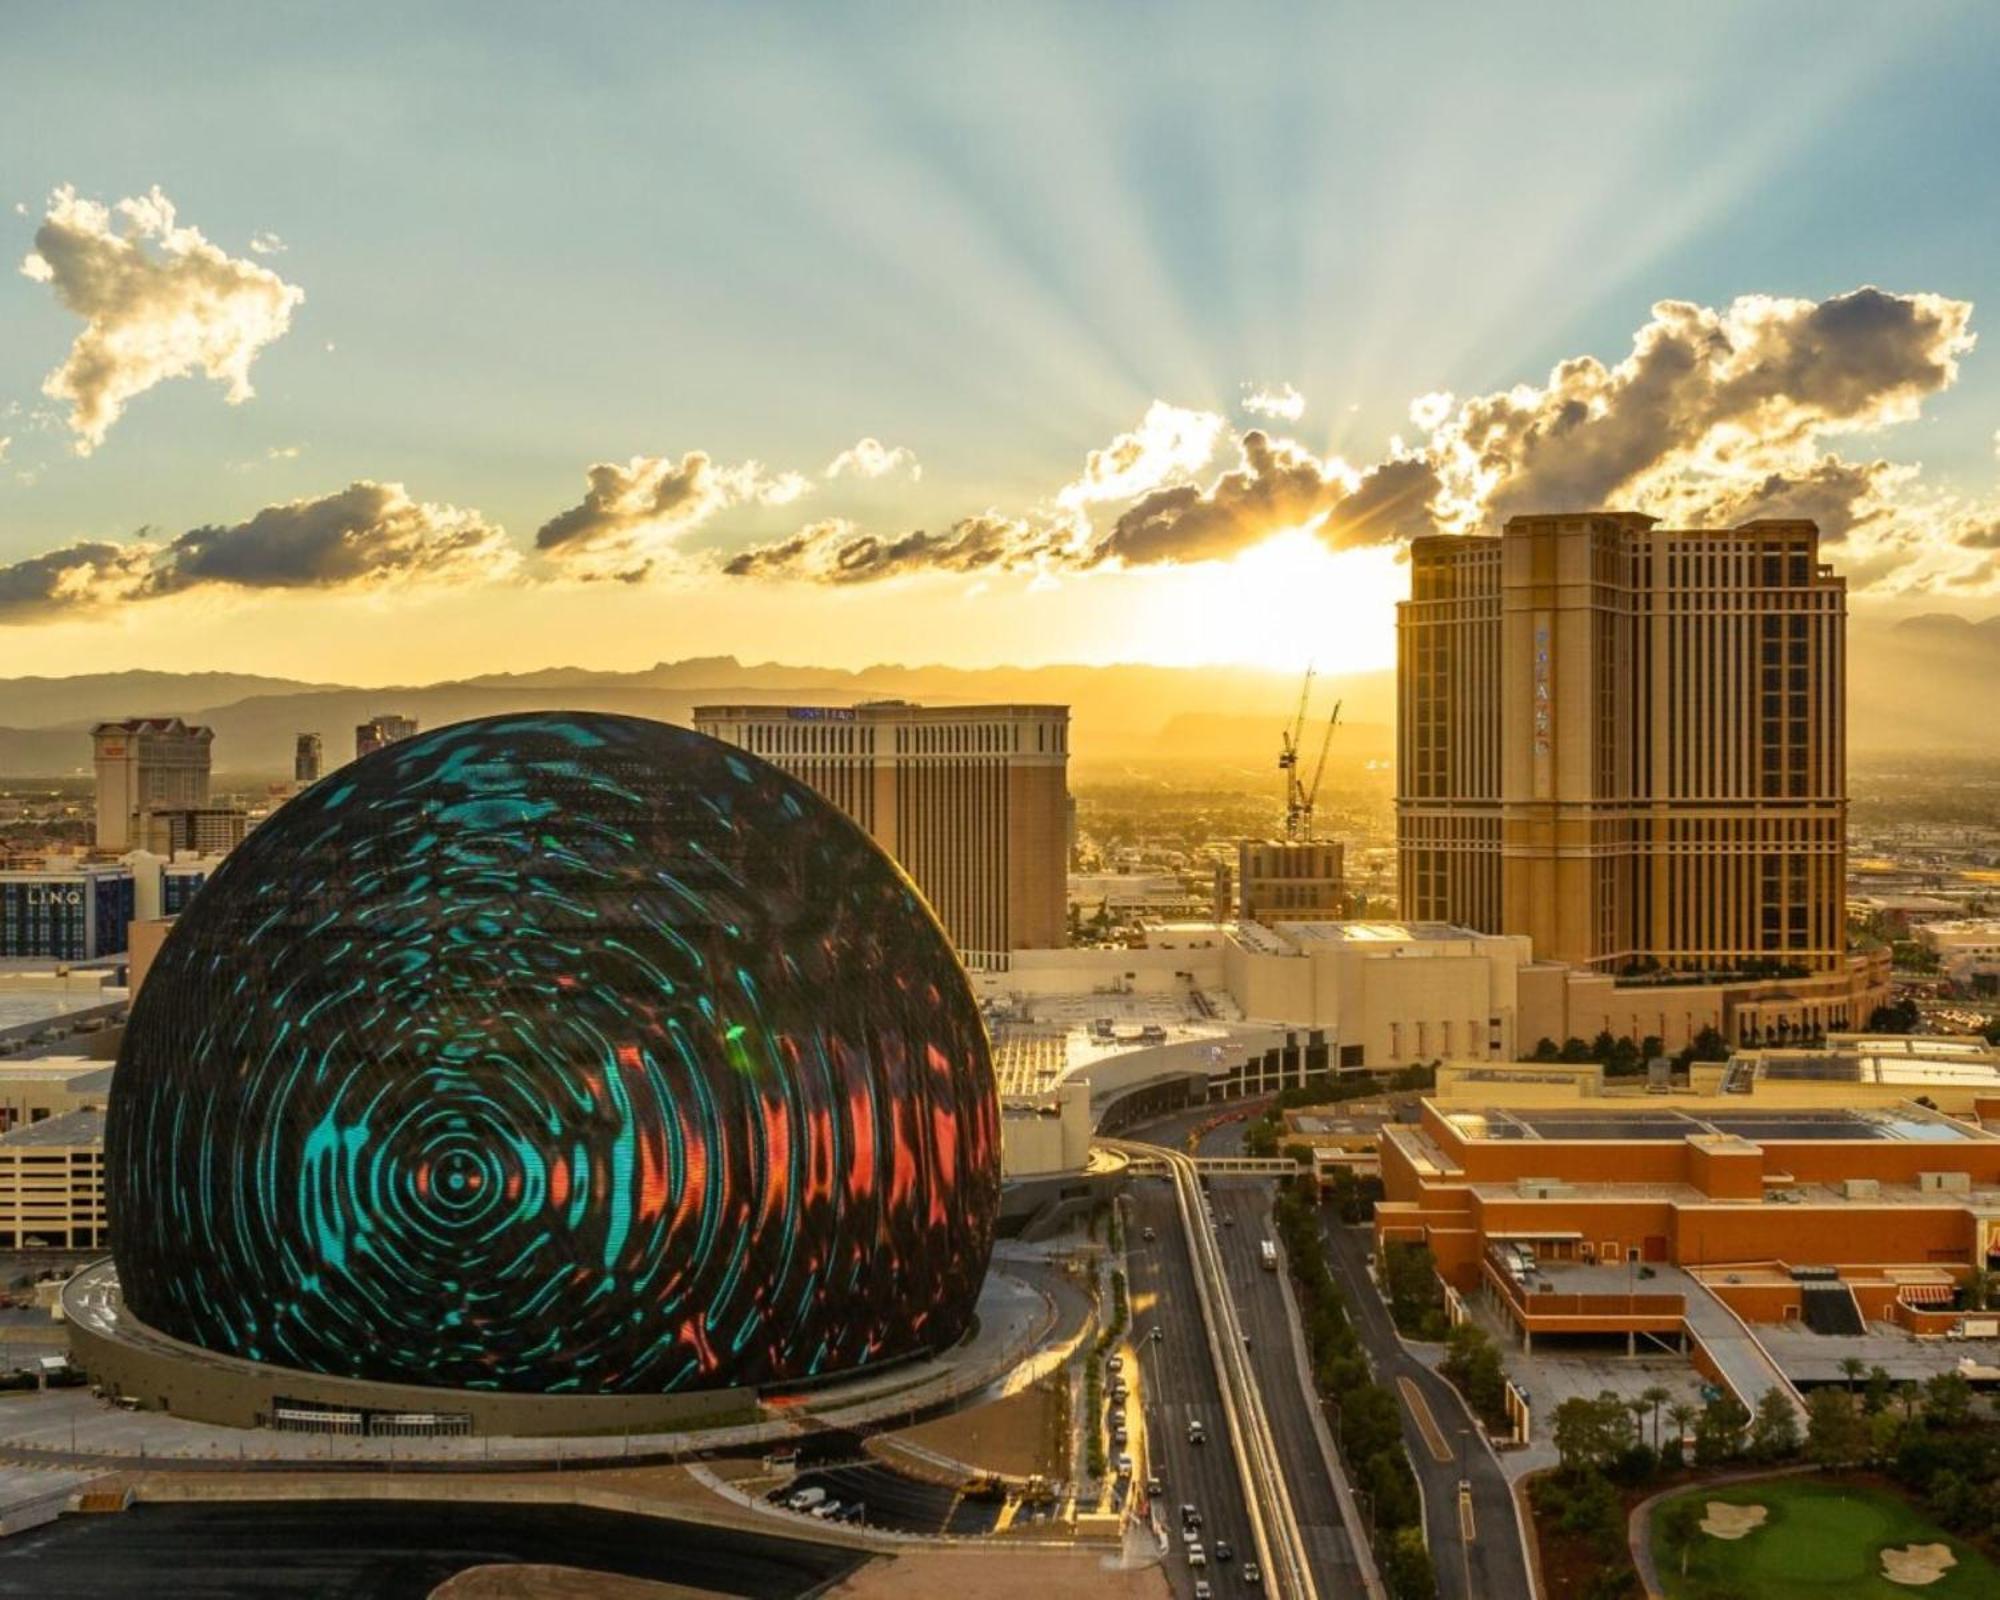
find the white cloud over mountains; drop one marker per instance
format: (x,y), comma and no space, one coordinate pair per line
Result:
(158,301)
(871,458)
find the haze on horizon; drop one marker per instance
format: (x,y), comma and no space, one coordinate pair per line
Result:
(376,347)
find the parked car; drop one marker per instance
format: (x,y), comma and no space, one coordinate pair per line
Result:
(806,1499)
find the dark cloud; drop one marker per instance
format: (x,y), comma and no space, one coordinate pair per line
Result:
(837,552)
(1277,485)
(368,535)
(633,514)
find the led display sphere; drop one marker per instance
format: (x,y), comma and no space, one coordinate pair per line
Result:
(556,1053)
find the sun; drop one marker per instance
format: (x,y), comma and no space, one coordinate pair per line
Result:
(1284,604)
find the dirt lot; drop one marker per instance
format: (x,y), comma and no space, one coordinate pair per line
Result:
(1010,1436)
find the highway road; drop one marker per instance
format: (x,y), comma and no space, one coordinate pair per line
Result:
(1492,1563)
(1177,1382)
(1288,1402)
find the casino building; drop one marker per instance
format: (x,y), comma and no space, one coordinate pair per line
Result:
(541,1074)
(1618,1215)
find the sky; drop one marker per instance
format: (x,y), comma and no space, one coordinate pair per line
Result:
(389,344)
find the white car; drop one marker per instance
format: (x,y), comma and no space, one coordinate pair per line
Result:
(806,1499)
(1124,1466)
(1197,1557)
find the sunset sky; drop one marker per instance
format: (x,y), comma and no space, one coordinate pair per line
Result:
(396,343)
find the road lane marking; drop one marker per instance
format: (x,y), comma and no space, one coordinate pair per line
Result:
(1434,1440)
(1468,1529)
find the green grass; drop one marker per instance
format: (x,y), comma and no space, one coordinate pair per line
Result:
(1820,1540)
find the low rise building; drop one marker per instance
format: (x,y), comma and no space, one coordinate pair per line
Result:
(52,1184)
(1968,949)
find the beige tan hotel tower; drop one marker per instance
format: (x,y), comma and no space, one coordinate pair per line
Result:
(1627,742)
(973,801)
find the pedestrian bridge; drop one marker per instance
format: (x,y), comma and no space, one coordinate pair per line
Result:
(1137,1160)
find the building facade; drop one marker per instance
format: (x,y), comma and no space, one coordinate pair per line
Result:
(65,913)
(1290,880)
(198,830)
(972,801)
(306,757)
(1628,742)
(377,732)
(146,764)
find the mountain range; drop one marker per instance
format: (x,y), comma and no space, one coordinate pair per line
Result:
(1908,687)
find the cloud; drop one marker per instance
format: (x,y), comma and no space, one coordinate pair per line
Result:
(1282,404)
(1726,394)
(82,577)
(836,551)
(6,444)
(366,536)
(1278,484)
(149,314)
(1170,442)
(267,244)
(871,458)
(632,515)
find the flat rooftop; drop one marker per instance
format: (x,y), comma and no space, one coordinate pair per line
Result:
(1907,1122)
(1373,932)
(71,1128)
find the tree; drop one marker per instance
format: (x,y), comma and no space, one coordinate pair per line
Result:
(1406,1566)
(1718,1431)
(1680,1522)
(1545,1050)
(1656,1396)
(1774,1432)
(1875,1394)
(1900,1017)
(1979,1284)
(1909,1394)
(1682,1415)
(1852,1367)
(1836,1432)
(1947,1401)
(1575,1052)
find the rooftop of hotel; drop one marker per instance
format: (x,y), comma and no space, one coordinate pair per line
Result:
(1383,933)
(1040,1039)
(1905,1121)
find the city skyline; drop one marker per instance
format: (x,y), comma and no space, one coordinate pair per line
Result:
(811,355)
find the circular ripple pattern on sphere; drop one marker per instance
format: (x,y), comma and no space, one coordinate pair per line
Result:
(556,1053)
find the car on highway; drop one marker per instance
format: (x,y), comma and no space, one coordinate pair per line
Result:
(1155,1488)
(1119,1391)
(1124,1465)
(1253,1575)
(1158,1334)
(1196,1433)
(1197,1557)
(1224,1551)
(1119,1436)
(1149,1235)
(1190,1515)
(1202,1591)
(1116,1363)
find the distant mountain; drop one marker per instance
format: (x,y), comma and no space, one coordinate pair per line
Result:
(1911,685)
(1122,713)
(1915,684)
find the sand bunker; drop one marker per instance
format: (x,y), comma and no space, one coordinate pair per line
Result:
(1917,1564)
(1725,1521)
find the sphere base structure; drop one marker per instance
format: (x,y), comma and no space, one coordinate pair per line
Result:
(138,1364)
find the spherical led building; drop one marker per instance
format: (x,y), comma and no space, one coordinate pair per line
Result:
(556,1054)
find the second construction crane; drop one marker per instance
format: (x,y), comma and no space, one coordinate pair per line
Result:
(1299,795)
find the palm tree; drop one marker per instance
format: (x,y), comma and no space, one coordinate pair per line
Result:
(1682,1415)
(1909,1394)
(1978,1286)
(1638,1408)
(1852,1367)
(1655,1396)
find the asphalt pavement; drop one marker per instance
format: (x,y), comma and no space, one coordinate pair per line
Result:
(1493,1563)
(1260,1305)
(1177,1383)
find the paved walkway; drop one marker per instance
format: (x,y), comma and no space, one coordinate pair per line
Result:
(1746,1366)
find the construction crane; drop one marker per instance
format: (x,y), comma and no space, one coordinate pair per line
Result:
(1319,771)
(1288,760)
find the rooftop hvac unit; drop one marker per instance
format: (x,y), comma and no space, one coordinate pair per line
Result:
(1861,1188)
(1542,1188)
(1945,1182)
